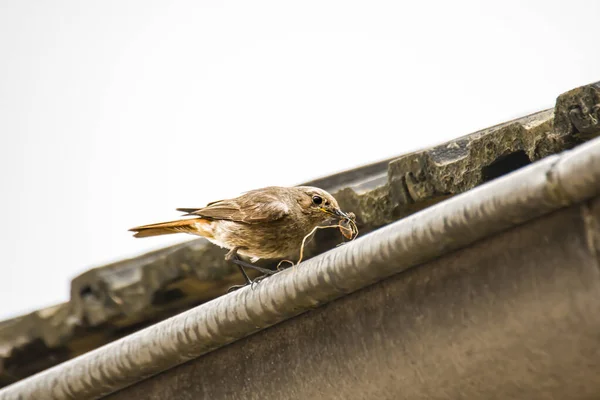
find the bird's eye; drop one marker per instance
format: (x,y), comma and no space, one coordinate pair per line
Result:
(317,200)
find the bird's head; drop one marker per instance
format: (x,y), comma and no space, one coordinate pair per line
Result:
(319,204)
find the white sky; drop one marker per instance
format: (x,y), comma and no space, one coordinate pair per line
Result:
(114,113)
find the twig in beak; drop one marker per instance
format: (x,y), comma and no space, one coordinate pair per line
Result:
(309,235)
(348,219)
(284,261)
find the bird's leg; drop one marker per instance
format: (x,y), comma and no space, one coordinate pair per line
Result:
(242,263)
(234,258)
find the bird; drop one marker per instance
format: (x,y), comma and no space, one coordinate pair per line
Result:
(267,223)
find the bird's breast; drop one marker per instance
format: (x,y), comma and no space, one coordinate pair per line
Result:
(276,239)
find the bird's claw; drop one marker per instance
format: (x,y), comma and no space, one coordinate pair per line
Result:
(235,287)
(252,284)
(259,279)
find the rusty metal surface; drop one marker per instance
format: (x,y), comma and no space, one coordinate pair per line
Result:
(550,184)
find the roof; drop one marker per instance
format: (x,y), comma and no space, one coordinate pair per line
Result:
(110,301)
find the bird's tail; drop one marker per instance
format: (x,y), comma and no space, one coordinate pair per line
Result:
(194,226)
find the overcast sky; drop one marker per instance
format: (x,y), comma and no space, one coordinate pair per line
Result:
(114,113)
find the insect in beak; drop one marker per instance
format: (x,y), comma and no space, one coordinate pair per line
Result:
(348,226)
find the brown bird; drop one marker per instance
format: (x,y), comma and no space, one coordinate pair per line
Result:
(269,223)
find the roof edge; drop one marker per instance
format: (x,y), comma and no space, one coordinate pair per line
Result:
(545,186)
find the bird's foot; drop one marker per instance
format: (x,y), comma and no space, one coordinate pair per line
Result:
(236,287)
(234,258)
(252,283)
(259,279)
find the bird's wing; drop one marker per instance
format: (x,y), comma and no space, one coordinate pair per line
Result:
(251,208)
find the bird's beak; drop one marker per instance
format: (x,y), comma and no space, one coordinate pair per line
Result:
(340,213)
(337,212)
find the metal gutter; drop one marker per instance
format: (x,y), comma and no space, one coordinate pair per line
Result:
(545,186)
